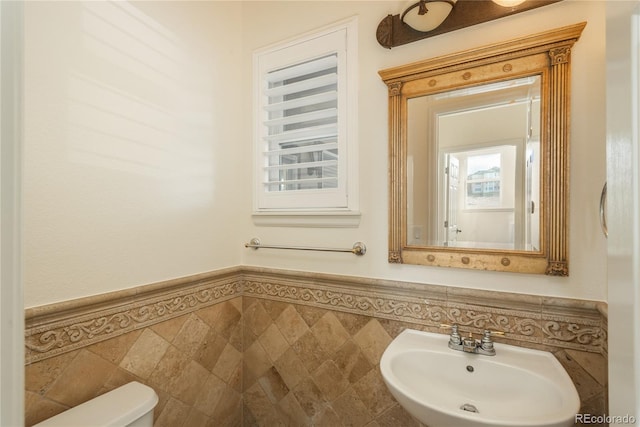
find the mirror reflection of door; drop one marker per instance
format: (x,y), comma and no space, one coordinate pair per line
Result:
(480,196)
(452,179)
(532,189)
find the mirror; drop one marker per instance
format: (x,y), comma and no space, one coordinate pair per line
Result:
(479,156)
(473,167)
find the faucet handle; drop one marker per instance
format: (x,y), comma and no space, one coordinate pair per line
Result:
(486,342)
(455,337)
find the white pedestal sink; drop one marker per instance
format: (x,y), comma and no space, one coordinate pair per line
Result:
(444,387)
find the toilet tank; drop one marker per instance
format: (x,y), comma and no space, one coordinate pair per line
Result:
(128,406)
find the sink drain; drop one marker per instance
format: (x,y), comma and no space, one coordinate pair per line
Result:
(469,408)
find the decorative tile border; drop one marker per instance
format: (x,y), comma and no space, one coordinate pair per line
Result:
(552,323)
(50,332)
(374,304)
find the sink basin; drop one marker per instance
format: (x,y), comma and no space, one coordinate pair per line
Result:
(444,387)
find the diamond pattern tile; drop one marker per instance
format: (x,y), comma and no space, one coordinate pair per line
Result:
(314,366)
(192,361)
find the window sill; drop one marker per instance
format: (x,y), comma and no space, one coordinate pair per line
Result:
(325,219)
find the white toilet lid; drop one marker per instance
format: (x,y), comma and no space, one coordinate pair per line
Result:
(118,407)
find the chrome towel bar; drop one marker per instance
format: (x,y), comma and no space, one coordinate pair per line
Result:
(358,248)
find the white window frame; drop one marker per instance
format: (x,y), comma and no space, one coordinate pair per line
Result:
(337,207)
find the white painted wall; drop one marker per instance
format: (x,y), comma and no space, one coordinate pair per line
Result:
(138,149)
(11,300)
(131,144)
(269,22)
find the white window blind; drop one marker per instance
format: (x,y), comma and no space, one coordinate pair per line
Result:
(302,113)
(302,121)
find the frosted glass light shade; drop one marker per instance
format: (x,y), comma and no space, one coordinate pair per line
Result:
(436,14)
(508,3)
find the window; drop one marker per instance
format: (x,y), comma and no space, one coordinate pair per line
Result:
(483,181)
(305,139)
(487,172)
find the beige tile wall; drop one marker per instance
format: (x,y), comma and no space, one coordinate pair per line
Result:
(307,366)
(258,347)
(193,361)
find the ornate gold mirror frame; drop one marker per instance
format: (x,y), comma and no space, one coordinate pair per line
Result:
(546,55)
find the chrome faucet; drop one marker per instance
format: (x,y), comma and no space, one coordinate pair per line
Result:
(471,345)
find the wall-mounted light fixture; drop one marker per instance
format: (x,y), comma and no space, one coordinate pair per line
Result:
(427,18)
(427,15)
